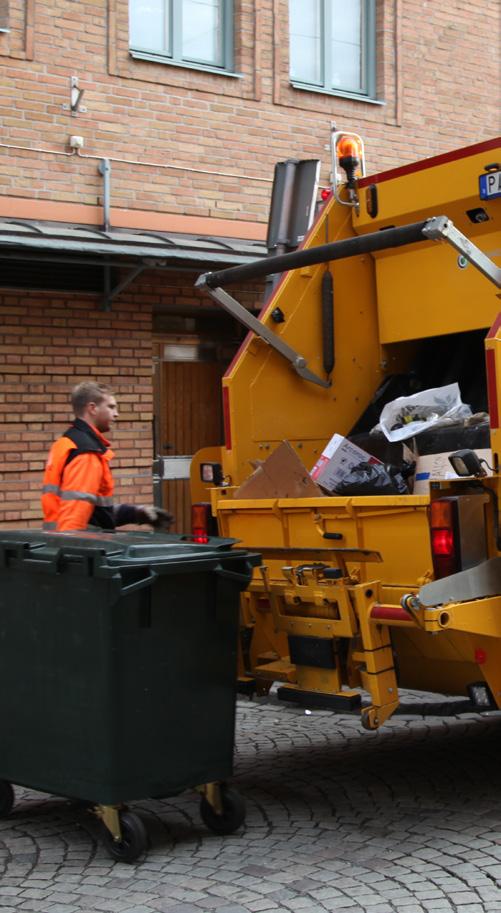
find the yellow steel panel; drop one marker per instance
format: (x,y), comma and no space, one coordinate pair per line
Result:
(375,661)
(277,671)
(481,616)
(310,412)
(381,524)
(450,189)
(442,663)
(382,687)
(268,401)
(381,527)
(423,291)
(305,628)
(323,680)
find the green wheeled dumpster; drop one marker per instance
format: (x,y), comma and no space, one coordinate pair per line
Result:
(118,672)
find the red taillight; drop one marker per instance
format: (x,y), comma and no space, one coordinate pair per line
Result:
(325,193)
(444,545)
(442,542)
(200,516)
(480,656)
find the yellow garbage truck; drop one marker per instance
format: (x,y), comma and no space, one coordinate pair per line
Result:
(394,290)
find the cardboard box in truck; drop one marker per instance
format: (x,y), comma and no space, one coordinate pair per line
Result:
(435,467)
(336,460)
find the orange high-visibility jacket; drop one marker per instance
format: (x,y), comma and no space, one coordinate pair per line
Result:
(78,485)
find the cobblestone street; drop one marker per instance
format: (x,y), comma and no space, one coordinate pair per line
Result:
(338,819)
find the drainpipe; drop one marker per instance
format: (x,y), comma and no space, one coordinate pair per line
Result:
(105,171)
(104,168)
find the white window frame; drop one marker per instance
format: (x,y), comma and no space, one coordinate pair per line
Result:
(368,88)
(175,57)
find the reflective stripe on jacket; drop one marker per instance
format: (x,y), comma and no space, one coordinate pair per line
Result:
(78,485)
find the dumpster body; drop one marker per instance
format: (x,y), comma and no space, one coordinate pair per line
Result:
(118,662)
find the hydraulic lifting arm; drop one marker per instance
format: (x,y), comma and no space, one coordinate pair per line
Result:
(438,228)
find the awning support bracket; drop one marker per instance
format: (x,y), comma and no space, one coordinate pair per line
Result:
(111,293)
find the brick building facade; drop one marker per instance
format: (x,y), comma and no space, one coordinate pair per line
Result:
(191,148)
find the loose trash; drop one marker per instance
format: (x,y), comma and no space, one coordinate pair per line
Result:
(376,479)
(407,416)
(338,458)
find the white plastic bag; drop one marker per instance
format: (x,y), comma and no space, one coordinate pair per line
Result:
(409,415)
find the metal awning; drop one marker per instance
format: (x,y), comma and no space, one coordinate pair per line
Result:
(49,255)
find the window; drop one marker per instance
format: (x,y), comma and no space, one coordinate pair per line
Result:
(4,16)
(187,32)
(332,45)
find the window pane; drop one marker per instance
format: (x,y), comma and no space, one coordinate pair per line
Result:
(346,45)
(149,25)
(346,67)
(346,20)
(305,46)
(203,31)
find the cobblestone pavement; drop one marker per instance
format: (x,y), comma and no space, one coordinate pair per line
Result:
(338,819)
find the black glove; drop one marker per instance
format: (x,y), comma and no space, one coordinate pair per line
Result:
(155,516)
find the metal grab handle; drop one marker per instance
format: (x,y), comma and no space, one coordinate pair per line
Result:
(139,584)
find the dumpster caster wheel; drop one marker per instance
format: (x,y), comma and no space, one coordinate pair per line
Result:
(134,839)
(233,813)
(6,798)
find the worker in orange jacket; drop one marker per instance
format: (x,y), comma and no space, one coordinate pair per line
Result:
(78,484)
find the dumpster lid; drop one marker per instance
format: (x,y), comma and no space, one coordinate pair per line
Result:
(114,548)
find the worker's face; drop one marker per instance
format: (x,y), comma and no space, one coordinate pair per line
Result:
(104,413)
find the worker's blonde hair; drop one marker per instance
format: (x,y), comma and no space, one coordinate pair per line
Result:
(88,392)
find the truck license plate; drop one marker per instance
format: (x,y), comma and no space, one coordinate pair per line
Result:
(490,185)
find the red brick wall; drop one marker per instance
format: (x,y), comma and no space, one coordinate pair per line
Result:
(48,343)
(438,75)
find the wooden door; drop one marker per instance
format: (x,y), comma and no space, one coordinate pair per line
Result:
(189,417)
